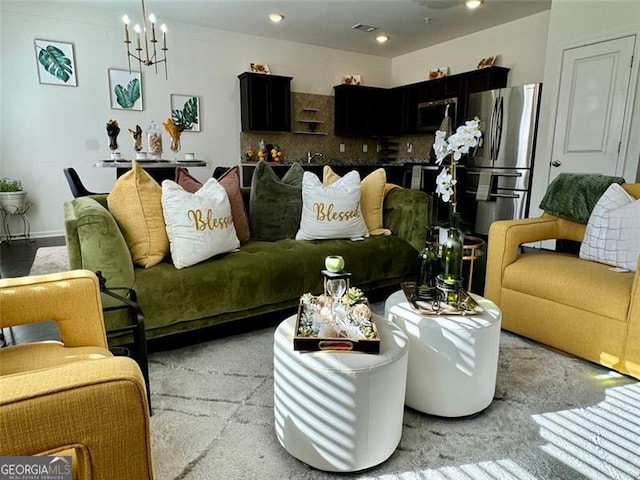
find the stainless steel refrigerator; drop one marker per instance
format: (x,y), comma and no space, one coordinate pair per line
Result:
(499,173)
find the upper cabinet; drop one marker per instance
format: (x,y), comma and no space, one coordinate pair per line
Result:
(360,110)
(265,102)
(371,111)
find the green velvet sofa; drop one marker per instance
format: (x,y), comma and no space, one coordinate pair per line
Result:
(262,277)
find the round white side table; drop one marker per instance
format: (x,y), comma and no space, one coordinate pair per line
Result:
(453,359)
(339,411)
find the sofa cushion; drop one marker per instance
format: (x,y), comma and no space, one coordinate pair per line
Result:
(374,188)
(230,180)
(135,202)
(612,235)
(275,205)
(568,280)
(262,276)
(199,225)
(331,211)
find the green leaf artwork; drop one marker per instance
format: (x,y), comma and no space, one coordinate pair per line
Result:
(127,97)
(188,116)
(55,62)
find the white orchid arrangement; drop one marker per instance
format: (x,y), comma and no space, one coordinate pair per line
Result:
(467,136)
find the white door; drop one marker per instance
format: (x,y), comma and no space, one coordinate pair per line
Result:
(594,84)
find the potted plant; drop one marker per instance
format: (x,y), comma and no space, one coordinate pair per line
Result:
(12,196)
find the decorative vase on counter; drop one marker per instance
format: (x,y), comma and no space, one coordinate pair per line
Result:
(428,268)
(154,141)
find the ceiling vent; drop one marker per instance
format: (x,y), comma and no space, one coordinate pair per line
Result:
(364,28)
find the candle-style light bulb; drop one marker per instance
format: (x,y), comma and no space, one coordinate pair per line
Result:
(138,30)
(163,27)
(152,19)
(125,20)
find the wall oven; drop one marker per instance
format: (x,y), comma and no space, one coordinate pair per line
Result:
(431,114)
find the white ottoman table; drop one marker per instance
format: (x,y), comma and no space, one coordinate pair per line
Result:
(453,359)
(339,411)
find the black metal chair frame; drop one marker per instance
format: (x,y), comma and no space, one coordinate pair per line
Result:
(75,184)
(129,300)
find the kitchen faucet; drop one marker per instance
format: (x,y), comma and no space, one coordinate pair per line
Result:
(311,156)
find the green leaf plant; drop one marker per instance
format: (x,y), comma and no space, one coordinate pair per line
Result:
(127,97)
(188,116)
(55,62)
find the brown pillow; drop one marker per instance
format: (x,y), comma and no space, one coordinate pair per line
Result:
(136,204)
(230,180)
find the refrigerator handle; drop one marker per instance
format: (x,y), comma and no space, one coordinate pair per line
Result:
(492,131)
(498,128)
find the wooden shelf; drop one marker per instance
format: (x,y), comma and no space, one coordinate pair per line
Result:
(310,121)
(309,133)
(310,109)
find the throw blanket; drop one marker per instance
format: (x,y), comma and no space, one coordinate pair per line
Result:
(573,195)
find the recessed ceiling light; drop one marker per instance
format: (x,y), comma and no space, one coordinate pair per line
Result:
(471,4)
(276,17)
(382,38)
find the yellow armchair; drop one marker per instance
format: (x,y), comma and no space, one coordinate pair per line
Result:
(70,397)
(577,306)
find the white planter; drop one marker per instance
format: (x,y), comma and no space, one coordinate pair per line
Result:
(11,202)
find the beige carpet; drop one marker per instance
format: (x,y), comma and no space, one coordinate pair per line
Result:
(553,417)
(50,260)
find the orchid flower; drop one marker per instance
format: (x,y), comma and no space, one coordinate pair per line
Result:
(458,144)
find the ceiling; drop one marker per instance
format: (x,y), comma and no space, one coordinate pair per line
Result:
(327,23)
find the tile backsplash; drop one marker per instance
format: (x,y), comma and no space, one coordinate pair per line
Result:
(308,136)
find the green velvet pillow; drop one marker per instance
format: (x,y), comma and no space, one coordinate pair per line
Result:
(275,205)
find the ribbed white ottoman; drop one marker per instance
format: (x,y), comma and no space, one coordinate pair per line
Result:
(453,360)
(340,412)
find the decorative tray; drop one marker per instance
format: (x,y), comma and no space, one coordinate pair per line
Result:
(356,333)
(466,305)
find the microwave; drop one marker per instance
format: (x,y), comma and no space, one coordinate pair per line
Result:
(431,114)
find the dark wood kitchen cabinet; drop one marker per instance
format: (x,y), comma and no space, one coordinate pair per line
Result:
(379,112)
(265,102)
(361,111)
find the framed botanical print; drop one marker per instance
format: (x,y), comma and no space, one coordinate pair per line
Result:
(125,89)
(185,112)
(56,63)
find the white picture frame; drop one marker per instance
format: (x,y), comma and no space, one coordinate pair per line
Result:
(56,63)
(125,90)
(185,111)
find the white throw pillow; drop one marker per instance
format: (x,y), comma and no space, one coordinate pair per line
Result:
(199,225)
(613,231)
(331,211)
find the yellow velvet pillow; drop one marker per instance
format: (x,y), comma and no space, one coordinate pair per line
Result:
(371,198)
(136,204)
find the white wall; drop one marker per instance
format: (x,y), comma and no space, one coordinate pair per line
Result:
(46,128)
(521,45)
(573,23)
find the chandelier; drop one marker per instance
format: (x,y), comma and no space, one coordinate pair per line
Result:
(150,56)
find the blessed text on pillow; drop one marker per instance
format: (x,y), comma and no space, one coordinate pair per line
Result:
(331,211)
(199,225)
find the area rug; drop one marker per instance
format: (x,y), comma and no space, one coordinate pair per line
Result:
(50,260)
(554,417)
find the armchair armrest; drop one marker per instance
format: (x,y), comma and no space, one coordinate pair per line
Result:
(71,299)
(632,347)
(407,213)
(503,246)
(46,411)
